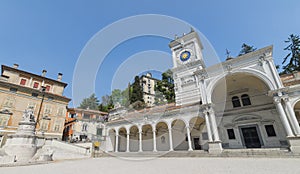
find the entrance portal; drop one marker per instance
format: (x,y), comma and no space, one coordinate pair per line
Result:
(197,144)
(251,137)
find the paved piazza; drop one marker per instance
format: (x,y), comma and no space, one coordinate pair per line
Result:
(164,165)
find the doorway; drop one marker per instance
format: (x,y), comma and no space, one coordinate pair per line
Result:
(197,144)
(251,137)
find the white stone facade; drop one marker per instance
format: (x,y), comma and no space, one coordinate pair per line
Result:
(240,103)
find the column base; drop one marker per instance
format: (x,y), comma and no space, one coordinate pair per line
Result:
(294,144)
(215,147)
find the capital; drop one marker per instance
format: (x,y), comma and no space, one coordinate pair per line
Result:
(286,98)
(277,100)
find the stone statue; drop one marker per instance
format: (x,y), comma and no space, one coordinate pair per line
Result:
(28,115)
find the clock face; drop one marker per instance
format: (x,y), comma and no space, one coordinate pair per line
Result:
(185,55)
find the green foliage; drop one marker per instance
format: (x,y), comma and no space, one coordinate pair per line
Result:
(107,103)
(293,57)
(91,102)
(137,93)
(120,97)
(246,49)
(103,108)
(164,89)
(117,97)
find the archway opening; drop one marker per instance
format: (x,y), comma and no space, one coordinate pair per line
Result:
(112,140)
(147,138)
(134,139)
(162,137)
(246,94)
(179,135)
(297,111)
(241,90)
(122,139)
(198,137)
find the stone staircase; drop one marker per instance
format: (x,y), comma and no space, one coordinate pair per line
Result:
(255,153)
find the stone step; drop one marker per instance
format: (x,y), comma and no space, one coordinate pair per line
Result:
(266,152)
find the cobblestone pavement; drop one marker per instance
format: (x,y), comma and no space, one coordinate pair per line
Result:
(163,165)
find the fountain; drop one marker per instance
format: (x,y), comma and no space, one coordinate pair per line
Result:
(22,146)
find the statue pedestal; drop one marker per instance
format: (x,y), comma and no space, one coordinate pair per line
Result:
(22,145)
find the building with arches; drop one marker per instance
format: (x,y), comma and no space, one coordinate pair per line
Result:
(237,104)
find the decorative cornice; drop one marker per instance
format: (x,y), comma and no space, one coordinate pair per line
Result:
(187,65)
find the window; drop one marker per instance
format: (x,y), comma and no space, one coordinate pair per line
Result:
(48,88)
(35,85)
(246,100)
(230,133)
(23,82)
(56,128)
(45,126)
(270,131)
(86,116)
(99,131)
(204,136)
(163,140)
(34,95)
(84,127)
(72,115)
(13,90)
(236,102)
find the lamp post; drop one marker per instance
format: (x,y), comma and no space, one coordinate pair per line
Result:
(38,116)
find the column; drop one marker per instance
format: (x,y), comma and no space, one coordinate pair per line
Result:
(106,142)
(117,141)
(154,139)
(30,82)
(189,138)
(128,139)
(209,134)
(293,119)
(214,125)
(170,139)
(284,120)
(140,141)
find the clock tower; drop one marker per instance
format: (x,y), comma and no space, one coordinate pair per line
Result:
(187,59)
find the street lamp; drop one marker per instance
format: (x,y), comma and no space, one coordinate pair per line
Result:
(38,116)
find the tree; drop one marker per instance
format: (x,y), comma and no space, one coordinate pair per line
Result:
(106,104)
(90,103)
(116,96)
(126,96)
(165,88)
(246,49)
(293,57)
(105,100)
(136,93)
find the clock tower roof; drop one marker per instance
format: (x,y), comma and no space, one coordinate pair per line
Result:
(185,39)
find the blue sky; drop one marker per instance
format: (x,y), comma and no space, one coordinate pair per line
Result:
(51,34)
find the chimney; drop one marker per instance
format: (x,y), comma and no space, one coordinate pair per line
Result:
(59,77)
(16,66)
(44,73)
